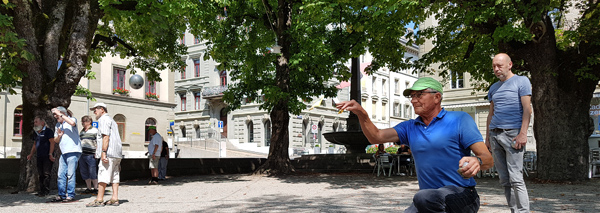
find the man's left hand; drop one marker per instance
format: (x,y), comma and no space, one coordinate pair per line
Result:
(521,140)
(469,170)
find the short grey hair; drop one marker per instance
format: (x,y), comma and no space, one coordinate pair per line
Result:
(433,90)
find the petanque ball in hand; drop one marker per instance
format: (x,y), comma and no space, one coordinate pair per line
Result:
(136,81)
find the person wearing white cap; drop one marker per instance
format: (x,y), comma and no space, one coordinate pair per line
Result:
(154,150)
(67,137)
(109,151)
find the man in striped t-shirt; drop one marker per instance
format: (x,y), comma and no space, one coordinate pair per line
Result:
(110,154)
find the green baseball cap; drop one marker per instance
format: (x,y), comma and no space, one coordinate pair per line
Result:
(151,127)
(424,83)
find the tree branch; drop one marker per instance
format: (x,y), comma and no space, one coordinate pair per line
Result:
(269,13)
(82,31)
(52,37)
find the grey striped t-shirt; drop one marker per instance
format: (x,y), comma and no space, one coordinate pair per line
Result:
(108,126)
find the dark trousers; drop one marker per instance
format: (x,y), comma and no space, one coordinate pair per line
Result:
(445,199)
(44,166)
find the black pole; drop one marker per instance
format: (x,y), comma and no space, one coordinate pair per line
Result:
(352,120)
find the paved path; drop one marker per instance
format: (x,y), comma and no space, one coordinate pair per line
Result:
(201,151)
(300,193)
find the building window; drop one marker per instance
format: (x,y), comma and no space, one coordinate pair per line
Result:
(373,89)
(196,67)
(149,122)
(118,78)
(150,86)
(319,134)
(197,100)
(18,121)
(182,40)
(268,133)
(183,73)
(456,81)
(183,103)
(384,89)
(120,120)
(183,132)
(383,109)
(374,110)
(407,111)
(197,130)
(250,132)
(397,86)
(223,77)
(396,110)
(151,92)
(196,40)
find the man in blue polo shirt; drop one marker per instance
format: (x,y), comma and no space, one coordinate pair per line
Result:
(441,143)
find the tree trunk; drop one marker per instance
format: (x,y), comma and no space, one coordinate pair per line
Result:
(562,140)
(278,161)
(60,33)
(28,180)
(561,103)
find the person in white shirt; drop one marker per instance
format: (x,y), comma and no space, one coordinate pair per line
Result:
(67,137)
(109,151)
(154,150)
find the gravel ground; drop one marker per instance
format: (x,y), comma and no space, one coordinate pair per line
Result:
(311,192)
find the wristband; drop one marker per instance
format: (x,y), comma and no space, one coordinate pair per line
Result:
(479,159)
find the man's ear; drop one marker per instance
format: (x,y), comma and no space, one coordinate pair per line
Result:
(438,97)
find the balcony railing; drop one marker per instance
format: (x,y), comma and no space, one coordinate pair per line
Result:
(214,91)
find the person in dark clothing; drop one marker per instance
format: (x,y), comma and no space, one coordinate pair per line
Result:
(164,160)
(44,145)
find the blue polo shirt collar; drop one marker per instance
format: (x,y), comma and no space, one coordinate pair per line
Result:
(439,116)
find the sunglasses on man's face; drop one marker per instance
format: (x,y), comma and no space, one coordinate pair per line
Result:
(418,95)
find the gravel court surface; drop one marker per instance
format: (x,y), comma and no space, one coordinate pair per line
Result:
(304,192)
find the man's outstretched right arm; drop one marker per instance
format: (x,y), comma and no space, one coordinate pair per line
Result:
(373,134)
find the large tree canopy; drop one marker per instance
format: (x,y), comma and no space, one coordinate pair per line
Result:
(316,39)
(556,43)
